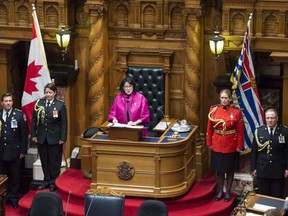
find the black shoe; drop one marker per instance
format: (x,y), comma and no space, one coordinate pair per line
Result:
(227,197)
(219,196)
(15,204)
(53,187)
(42,187)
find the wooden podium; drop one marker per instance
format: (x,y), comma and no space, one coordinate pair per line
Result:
(124,133)
(158,167)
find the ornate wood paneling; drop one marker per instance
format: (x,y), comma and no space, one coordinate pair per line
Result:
(146,19)
(16,19)
(269,22)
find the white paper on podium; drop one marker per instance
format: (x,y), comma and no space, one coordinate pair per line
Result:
(119,125)
(161,126)
(252,214)
(262,207)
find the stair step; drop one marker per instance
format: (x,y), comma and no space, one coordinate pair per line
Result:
(198,201)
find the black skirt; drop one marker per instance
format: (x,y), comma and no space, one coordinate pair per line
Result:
(225,162)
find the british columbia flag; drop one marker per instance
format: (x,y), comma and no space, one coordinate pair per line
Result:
(245,93)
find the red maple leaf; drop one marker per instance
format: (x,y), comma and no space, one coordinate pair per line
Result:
(32,72)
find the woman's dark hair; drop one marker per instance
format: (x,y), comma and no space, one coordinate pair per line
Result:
(130,81)
(50,86)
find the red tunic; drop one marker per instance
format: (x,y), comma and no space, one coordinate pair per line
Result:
(225,129)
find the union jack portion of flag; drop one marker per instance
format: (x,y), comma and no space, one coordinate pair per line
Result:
(245,93)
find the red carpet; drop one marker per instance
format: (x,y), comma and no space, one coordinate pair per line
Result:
(199,201)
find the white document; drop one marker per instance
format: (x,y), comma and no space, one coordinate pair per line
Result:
(119,125)
(262,207)
(161,125)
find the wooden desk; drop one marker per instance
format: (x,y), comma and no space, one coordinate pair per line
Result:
(252,199)
(3,180)
(152,167)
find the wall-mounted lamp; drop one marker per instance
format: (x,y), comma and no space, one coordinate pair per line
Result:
(216,43)
(63,39)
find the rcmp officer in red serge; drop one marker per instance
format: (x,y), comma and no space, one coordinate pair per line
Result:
(13,145)
(49,131)
(225,131)
(269,155)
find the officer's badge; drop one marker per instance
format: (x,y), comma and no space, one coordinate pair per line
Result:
(281,138)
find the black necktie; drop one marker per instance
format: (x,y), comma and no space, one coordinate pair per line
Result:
(7,116)
(48,103)
(271,133)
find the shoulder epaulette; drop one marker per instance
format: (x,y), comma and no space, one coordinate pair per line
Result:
(18,110)
(215,105)
(234,107)
(261,126)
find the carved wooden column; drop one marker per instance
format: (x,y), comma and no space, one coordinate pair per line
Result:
(285,94)
(282,23)
(4,70)
(137,15)
(283,58)
(192,66)
(225,21)
(166,71)
(259,23)
(96,62)
(123,55)
(7,62)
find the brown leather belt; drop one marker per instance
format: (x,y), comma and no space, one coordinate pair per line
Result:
(225,132)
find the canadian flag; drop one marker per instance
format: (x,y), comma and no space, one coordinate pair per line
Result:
(37,75)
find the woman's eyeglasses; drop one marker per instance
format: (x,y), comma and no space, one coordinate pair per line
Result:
(128,87)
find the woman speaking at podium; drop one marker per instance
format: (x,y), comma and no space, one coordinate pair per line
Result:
(225,131)
(130,107)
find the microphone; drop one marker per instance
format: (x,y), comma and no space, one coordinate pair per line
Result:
(255,189)
(68,200)
(164,116)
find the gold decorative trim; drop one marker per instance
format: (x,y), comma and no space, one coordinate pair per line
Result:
(104,191)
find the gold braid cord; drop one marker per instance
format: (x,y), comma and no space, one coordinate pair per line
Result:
(260,145)
(39,110)
(217,121)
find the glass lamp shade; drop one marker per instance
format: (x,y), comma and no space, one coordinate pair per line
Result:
(63,38)
(216,44)
(216,47)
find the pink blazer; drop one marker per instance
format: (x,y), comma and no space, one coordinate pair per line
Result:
(138,108)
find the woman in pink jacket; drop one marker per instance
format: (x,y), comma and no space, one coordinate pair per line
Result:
(130,107)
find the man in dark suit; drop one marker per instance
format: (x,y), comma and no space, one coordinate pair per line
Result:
(49,131)
(269,156)
(13,145)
